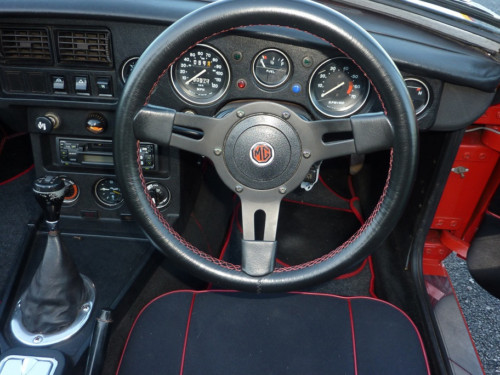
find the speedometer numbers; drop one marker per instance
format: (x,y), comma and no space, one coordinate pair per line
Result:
(201,76)
(338,88)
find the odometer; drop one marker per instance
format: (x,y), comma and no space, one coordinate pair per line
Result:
(338,88)
(201,76)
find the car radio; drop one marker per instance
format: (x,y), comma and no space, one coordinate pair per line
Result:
(91,152)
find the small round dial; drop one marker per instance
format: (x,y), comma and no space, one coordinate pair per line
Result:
(108,193)
(127,68)
(271,68)
(159,194)
(72,191)
(338,87)
(419,94)
(201,75)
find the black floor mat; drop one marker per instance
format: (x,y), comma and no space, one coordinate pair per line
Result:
(15,155)
(17,208)
(308,232)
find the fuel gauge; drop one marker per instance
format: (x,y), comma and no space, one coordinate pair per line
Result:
(271,68)
(419,94)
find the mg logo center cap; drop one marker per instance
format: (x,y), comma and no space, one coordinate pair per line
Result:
(262,154)
(262,151)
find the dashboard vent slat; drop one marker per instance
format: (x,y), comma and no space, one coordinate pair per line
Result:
(89,47)
(25,45)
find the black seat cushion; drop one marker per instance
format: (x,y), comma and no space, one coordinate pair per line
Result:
(227,332)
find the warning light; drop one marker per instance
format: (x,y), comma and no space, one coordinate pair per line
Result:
(241,83)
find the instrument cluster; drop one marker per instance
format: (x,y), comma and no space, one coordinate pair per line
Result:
(335,86)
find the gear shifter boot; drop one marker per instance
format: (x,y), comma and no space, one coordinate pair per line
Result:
(56,293)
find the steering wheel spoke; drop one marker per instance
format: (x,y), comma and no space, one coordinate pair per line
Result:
(259,211)
(358,134)
(189,132)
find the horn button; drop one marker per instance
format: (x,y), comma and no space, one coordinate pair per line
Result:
(262,151)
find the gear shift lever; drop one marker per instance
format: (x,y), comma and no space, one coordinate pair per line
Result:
(49,193)
(58,298)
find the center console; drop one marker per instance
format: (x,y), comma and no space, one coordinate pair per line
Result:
(77,145)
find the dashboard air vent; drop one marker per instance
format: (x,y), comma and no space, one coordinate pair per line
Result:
(87,47)
(25,45)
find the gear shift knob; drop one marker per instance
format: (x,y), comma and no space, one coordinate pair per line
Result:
(49,192)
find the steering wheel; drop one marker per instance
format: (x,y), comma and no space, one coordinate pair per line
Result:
(287,143)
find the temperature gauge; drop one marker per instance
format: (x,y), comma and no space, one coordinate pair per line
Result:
(419,94)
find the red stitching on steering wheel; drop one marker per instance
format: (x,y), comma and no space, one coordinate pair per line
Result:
(223,263)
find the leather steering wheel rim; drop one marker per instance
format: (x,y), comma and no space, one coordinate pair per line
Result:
(318,20)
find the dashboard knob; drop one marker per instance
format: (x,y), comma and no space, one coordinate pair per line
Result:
(45,124)
(96,123)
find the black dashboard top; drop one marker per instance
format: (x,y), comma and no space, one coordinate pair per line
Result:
(418,52)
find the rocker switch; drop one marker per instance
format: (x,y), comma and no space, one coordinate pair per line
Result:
(58,84)
(81,85)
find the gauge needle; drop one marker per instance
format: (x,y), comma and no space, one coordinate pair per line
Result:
(333,89)
(196,76)
(262,62)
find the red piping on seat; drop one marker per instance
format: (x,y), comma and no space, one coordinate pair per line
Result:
(196,292)
(187,334)
(353,339)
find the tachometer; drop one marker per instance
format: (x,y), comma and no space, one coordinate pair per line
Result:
(201,76)
(338,87)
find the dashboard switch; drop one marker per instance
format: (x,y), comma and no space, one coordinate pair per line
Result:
(104,86)
(81,85)
(58,84)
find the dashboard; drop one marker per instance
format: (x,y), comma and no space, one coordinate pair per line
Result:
(62,73)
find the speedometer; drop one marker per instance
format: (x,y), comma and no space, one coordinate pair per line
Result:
(201,76)
(338,87)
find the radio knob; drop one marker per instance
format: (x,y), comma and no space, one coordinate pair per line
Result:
(45,124)
(96,123)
